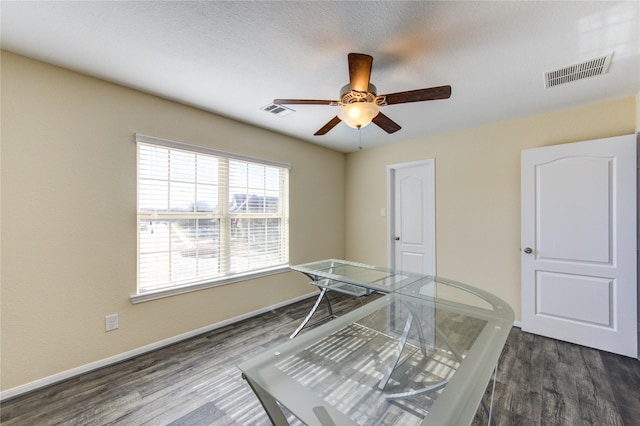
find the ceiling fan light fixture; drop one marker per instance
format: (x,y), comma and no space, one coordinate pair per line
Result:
(358,114)
(360,102)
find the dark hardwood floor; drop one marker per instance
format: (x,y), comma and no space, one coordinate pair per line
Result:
(543,381)
(540,382)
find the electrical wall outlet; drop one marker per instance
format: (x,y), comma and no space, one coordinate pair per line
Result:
(111,322)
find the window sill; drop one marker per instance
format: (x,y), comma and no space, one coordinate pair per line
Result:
(146,297)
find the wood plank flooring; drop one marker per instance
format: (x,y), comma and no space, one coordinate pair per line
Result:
(540,382)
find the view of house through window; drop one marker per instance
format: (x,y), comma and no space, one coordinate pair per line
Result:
(206,216)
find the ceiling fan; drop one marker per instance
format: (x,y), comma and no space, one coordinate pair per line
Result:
(360,102)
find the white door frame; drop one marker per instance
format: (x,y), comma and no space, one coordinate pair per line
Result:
(430,215)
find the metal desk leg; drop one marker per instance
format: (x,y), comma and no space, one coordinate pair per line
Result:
(489,409)
(403,340)
(401,345)
(269,404)
(396,357)
(322,295)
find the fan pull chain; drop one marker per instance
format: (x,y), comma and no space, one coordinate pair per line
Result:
(359,137)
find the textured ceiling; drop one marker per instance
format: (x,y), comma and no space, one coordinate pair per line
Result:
(233,58)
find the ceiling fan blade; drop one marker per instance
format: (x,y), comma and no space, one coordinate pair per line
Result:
(419,95)
(359,71)
(385,123)
(330,125)
(302,102)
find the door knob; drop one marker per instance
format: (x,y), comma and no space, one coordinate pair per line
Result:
(528,250)
(397,238)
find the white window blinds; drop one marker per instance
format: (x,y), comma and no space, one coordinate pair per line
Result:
(206,216)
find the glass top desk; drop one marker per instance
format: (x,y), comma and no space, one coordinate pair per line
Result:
(422,354)
(354,279)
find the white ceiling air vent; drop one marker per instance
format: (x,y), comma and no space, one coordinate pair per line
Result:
(586,69)
(278,110)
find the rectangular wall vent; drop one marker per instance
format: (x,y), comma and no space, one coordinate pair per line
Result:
(278,110)
(586,69)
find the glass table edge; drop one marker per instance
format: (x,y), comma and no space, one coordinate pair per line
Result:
(500,307)
(477,365)
(455,407)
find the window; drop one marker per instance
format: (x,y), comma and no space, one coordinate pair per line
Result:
(206,217)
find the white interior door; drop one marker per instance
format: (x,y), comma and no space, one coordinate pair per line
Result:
(412,220)
(579,244)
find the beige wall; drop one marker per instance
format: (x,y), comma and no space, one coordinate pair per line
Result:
(69,218)
(477,191)
(638,113)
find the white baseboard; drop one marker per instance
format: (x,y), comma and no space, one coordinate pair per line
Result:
(68,374)
(517,324)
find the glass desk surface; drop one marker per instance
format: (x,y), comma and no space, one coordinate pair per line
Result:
(370,277)
(422,355)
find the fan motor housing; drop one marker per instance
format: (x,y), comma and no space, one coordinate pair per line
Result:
(348,96)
